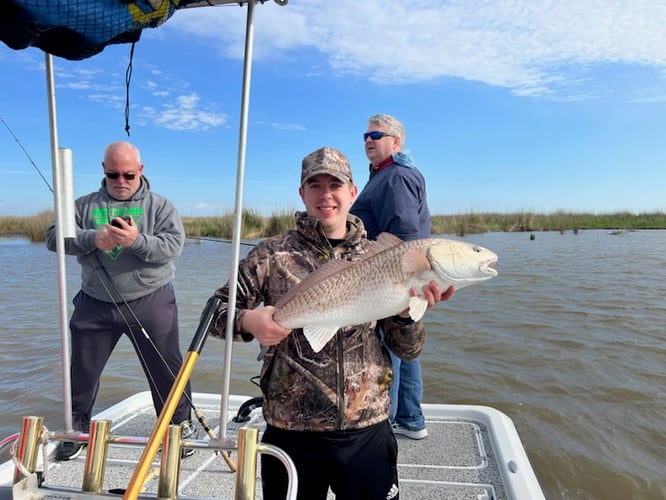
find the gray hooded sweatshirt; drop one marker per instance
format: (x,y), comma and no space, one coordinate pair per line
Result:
(138,270)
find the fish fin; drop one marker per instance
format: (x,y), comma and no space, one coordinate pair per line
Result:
(417,307)
(388,240)
(384,241)
(415,262)
(318,337)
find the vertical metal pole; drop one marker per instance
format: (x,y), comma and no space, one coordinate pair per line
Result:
(58,204)
(238,212)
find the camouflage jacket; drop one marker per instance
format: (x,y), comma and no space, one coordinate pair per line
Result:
(346,384)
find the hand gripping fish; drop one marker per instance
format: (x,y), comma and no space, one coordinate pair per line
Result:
(342,293)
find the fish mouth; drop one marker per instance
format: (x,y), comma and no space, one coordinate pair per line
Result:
(486,267)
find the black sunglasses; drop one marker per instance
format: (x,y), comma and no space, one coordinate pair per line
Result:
(375,135)
(115,175)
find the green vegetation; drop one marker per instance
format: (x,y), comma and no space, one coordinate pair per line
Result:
(254,225)
(258,226)
(471,223)
(32,227)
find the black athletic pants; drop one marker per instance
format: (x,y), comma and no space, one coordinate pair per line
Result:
(357,465)
(96,327)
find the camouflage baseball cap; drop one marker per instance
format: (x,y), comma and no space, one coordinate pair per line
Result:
(326,161)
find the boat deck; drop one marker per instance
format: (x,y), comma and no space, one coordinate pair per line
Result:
(471,452)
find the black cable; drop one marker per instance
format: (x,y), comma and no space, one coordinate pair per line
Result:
(143,331)
(128,78)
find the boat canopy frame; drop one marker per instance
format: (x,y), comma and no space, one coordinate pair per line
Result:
(64,224)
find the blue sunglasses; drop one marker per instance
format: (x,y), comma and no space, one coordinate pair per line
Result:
(376,135)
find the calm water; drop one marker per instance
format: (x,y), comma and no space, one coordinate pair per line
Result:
(569,341)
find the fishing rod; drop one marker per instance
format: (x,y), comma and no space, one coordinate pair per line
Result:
(203,238)
(218,240)
(129,327)
(157,435)
(197,413)
(26,153)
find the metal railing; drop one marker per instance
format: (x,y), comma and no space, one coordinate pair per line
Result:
(99,438)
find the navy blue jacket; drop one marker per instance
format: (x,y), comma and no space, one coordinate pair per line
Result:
(394,201)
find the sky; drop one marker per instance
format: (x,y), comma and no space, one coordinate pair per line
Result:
(538,106)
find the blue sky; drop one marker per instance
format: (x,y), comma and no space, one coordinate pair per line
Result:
(509,107)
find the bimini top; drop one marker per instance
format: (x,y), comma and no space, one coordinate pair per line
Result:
(78,29)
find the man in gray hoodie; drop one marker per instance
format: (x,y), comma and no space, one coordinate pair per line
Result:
(127,238)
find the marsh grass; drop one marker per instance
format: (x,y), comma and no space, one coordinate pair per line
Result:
(32,227)
(561,221)
(256,226)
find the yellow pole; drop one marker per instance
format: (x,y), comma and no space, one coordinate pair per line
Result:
(156,437)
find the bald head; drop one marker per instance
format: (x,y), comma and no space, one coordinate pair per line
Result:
(123,169)
(122,149)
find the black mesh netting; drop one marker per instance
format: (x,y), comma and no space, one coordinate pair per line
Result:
(77,29)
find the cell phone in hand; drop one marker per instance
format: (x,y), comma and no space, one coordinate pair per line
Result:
(126,218)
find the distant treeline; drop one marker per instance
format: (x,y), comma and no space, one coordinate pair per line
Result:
(258,226)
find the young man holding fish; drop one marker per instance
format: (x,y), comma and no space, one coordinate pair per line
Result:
(327,408)
(394,201)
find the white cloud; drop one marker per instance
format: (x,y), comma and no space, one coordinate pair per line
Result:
(544,48)
(160,100)
(184,113)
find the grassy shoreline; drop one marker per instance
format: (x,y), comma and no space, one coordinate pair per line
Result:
(255,225)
